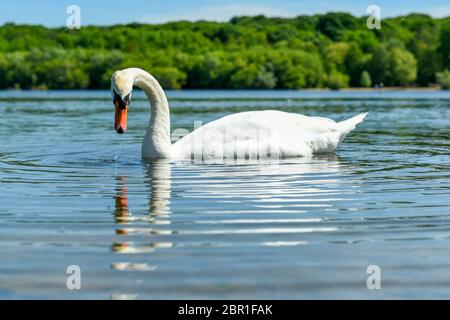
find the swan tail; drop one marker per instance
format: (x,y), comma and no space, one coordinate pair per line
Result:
(347,126)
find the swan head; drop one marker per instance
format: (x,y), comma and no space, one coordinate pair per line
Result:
(121,89)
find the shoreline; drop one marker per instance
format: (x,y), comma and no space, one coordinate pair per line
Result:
(434,88)
(351,89)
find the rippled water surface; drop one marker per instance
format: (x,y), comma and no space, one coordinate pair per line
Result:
(75,193)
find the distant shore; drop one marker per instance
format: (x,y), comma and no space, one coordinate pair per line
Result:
(333,50)
(358,89)
(434,88)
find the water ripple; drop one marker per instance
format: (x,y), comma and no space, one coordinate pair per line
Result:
(73,192)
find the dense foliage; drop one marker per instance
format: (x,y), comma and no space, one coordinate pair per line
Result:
(332,50)
(443,78)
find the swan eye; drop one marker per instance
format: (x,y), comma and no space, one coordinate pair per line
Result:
(116,97)
(127,98)
(122,103)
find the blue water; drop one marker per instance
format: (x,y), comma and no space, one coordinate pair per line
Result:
(73,192)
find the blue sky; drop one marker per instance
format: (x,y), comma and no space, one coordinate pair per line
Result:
(102,12)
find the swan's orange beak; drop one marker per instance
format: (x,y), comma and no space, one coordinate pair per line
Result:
(120,123)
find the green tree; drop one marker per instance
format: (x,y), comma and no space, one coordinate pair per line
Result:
(253,77)
(100,63)
(170,78)
(424,46)
(335,55)
(443,79)
(393,65)
(335,23)
(315,51)
(403,67)
(366,81)
(355,63)
(444,43)
(337,80)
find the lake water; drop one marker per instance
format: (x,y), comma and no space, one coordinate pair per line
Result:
(73,192)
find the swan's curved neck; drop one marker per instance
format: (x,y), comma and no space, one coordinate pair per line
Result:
(157,142)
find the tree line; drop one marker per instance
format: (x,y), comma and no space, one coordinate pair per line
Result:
(333,50)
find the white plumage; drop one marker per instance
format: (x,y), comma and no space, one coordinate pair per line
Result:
(264,134)
(249,135)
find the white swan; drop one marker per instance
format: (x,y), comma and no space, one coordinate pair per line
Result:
(251,135)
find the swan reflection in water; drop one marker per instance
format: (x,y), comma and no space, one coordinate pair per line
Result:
(159,180)
(294,179)
(275,193)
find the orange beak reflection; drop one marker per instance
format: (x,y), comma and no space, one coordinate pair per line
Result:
(121,211)
(120,123)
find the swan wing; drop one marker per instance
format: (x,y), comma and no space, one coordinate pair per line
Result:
(260,133)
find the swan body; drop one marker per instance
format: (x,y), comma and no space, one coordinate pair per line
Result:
(248,135)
